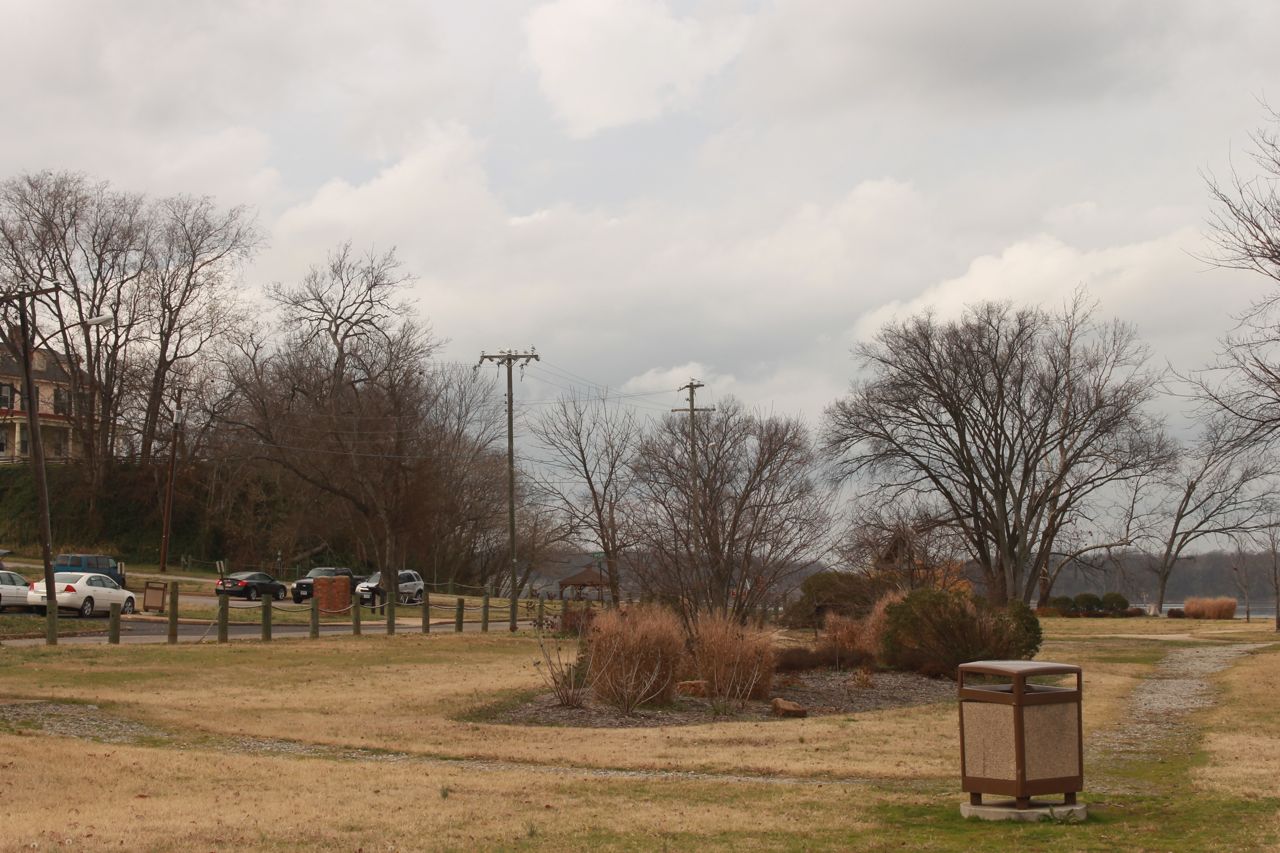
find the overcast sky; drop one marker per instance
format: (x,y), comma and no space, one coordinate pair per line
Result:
(648,191)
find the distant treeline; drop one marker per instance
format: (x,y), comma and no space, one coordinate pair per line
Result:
(1212,573)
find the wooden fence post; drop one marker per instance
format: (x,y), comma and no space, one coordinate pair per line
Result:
(355,614)
(542,611)
(426,612)
(315,617)
(173,612)
(457,615)
(266,619)
(484,612)
(113,628)
(224,612)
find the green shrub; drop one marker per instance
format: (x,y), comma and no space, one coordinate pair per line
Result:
(1088,603)
(1064,604)
(933,632)
(1114,602)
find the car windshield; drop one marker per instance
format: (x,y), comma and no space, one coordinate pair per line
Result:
(374,578)
(321,573)
(67,577)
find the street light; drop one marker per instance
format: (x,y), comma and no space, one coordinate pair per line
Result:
(27,327)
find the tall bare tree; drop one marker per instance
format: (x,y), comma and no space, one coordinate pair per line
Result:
(92,241)
(1016,420)
(587,475)
(724,536)
(1218,490)
(190,292)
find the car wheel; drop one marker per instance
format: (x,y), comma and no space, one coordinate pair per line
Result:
(86,608)
(252,594)
(279,593)
(127,607)
(40,611)
(417,597)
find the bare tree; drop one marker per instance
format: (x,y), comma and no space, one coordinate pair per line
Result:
(1245,231)
(1018,421)
(722,538)
(1219,489)
(904,546)
(1270,537)
(92,241)
(587,476)
(190,291)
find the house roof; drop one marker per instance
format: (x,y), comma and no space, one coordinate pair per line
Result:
(53,370)
(590,576)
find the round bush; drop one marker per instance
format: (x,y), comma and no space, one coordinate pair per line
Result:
(1114,602)
(1087,602)
(1064,604)
(932,632)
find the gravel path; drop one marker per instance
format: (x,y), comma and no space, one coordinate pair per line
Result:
(1159,707)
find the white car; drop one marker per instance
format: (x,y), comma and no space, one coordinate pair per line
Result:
(411,587)
(13,590)
(81,591)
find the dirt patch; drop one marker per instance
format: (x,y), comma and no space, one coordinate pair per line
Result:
(823,692)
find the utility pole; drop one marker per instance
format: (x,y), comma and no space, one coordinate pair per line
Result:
(178,417)
(695,502)
(509,358)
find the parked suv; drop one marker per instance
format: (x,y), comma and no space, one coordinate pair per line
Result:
(411,587)
(304,588)
(99,563)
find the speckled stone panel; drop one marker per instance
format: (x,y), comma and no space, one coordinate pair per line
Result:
(988,740)
(1052,738)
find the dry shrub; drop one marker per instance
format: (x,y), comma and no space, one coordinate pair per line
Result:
(564,671)
(841,640)
(802,658)
(871,640)
(736,662)
(576,618)
(862,679)
(634,656)
(1210,608)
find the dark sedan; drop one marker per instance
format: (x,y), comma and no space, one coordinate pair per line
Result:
(251,585)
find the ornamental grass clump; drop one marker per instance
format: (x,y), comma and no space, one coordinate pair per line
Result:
(1210,608)
(735,661)
(841,641)
(634,657)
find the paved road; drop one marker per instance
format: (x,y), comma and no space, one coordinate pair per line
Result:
(132,631)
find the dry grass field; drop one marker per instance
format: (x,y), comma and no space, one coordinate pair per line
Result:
(379,743)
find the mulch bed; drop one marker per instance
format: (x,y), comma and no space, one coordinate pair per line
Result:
(823,692)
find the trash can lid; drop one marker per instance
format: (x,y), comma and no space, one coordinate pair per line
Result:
(1015,668)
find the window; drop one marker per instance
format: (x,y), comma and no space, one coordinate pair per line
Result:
(61,401)
(4,441)
(7,395)
(22,440)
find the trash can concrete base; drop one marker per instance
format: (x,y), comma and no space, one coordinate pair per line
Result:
(1039,811)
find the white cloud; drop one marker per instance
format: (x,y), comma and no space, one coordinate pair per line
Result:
(1155,284)
(610,63)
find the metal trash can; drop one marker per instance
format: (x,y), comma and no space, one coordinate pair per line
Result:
(1018,739)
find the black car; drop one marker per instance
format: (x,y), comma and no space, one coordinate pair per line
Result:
(304,588)
(251,585)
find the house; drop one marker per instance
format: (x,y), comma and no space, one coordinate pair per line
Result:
(52,395)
